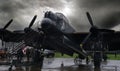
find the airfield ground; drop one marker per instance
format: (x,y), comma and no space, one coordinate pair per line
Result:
(67,64)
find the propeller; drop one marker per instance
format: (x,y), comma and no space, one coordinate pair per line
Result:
(86,39)
(95,29)
(7,24)
(32,22)
(30,25)
(27,29)
(3,30)
(89,18)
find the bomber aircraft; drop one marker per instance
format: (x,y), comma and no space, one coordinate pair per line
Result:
(55,33)
(55,37)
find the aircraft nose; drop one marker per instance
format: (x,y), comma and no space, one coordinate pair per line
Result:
(46,23)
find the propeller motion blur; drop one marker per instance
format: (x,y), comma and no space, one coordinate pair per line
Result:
(56,34)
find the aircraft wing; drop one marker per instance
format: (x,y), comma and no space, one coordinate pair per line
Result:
(78,37)
(17,36)
(13,36)
(114,42)
(111,40)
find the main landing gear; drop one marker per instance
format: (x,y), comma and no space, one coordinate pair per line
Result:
(78,60)
(97,58)
(38,58)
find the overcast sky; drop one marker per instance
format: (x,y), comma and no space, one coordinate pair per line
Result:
(105,13)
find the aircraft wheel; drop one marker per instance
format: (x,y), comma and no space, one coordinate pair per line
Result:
(104,57)
(77,61)
(87,60)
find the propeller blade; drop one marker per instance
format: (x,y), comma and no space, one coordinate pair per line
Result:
(7,24)
(86,39)
(106,30)
(33,20)
(89,18)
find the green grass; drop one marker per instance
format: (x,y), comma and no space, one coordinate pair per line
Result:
(110,56)
(59,55)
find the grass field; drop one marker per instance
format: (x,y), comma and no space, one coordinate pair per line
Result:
(110,56)
(113,57)
(59,55)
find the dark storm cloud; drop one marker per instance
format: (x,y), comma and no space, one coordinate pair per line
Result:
(97,3)
(8,10)
(111,20)
(19,9)
(105,13)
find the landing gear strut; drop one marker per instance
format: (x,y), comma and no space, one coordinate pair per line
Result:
(97,59)
(38,58)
